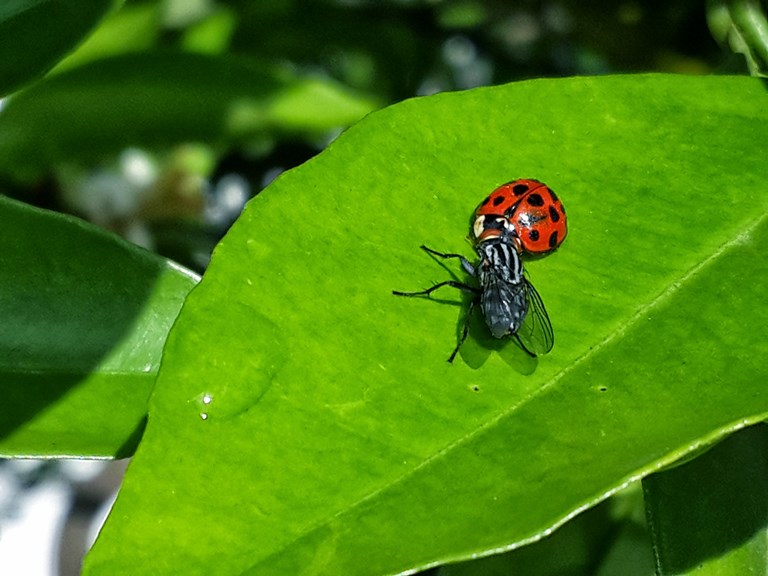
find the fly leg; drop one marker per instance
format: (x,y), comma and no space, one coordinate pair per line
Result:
(470,269)
(428,291)
(467,317)
(464,331)
(466,264)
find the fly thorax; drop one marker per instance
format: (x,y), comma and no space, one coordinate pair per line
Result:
(499,258)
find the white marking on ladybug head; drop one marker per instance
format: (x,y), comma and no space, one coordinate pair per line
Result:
(478,226)
(485,228)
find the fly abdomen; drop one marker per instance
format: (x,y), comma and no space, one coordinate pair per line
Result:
(504,307)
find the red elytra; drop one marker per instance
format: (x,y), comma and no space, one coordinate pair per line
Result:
(528,208)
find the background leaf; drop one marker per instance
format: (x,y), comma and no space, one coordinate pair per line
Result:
(156,99)
(710,515)
(132,28)
(84,319)
(607,540)
(35,34)
(306,421)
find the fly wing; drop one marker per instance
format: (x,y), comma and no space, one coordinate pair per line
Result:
(535,333)
(504,305)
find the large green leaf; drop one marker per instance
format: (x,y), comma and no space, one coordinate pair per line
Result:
(84,319)
(156,99)
(35,34)
(306,421)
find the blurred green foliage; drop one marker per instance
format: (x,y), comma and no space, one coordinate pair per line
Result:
(345,57)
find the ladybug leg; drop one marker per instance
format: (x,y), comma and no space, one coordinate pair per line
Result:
(470,269)
(428,291)
(464,331)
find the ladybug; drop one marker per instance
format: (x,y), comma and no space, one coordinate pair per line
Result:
(509,302)
(529,209)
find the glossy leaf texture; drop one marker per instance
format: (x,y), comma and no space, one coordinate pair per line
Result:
(158,99)
(306,421)
(84,319)
(35,34)
(709,516)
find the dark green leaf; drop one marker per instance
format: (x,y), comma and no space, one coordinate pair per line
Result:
(35,34)
(709,516)
(607,540)
(157,99)
(305,420)
(84,319)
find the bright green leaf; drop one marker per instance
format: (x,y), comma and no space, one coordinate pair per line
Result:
(306,421)
(211,35)
(133,28)
(84,319)
(157,99)
(35,34)
(709,516)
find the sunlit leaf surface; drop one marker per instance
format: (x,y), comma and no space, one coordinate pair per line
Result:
(305,420)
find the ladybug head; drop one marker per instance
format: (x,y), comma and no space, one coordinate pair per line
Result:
(487,227)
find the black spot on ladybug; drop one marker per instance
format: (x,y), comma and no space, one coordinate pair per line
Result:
(553,240)
(533,235)
(519,189)
(552,195)
(535,199)
(554,215)
(498,200)
(488,199)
